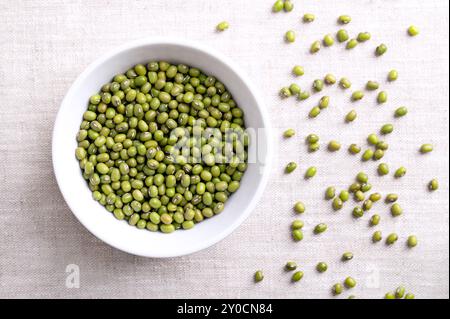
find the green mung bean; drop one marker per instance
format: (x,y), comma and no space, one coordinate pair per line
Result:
(304,95)
(400,172)
(297,224)
(433,185)
(401,111)
(391,239)
(337,289)
(313,147)
(392,75)
(391,198)
(396,210)
(375,220)
(299,208)
(290,36)
(354,149)
(328,40)
(426,148)
(330,192)
(222,26)
(337,203)
(334,146)
(377,236)
(400,292)
(315,111)
(290,266)
(288,6)
(298,70)
(344,19)
(349,282)
(412,241)
(345,83)
(295,89)
(367,155)
(320,228)
(381,49)
(372,85)
(344,195)
(311,172)
(351,116)
(308,17)
(347,256)
(387,129)
(312,138)
(297,235)
(382,97)
(383,169)
(413,31)
(289,133)
(358,212)
(363,36)
(290,167)
(324,102)
(357,95)
(285,92)
(352,43)
(330,79)
(297,276)
(389,295)
(342,35)
(259,276)
(278,6)
(317,85)
(322,267)
(410,296)
(315,47)
(373,139)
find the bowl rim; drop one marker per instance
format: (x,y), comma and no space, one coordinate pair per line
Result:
(234,68)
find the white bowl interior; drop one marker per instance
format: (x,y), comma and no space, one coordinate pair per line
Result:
(94,216)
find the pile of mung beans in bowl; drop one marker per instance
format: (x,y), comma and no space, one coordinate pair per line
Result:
(161,148)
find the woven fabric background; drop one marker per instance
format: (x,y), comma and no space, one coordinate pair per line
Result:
(44,45)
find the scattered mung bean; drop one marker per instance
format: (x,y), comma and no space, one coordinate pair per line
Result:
(290,266)
(412,241)
(413,31)
(334,146)
(297,276)
(322,267)
(222,26)
(426,148)
(433,185)
(352,43)
(342,35)
(351,116)
(289,133)
(290,167)
(400,172)
(391,239)
(381,49)
(298,70)
(308,17)
(328,40)
(299,208)
(259,276)
(363,36)
(392,75)
(382,97)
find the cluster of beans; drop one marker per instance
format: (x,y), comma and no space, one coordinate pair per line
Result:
(360,189)
(131,139)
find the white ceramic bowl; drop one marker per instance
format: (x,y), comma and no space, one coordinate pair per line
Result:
(100,222)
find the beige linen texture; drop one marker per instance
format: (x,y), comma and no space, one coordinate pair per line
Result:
(44,45)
